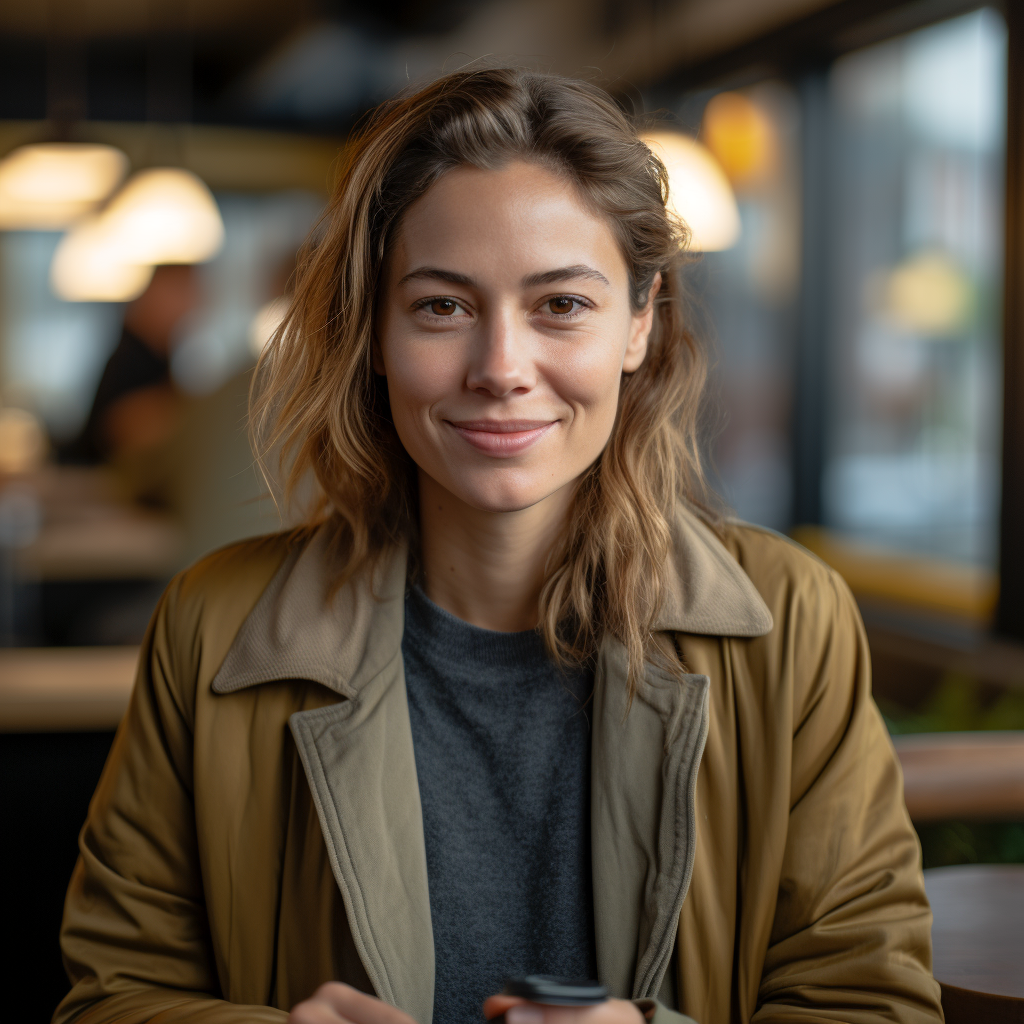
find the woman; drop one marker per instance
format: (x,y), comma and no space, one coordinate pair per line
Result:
(512,703)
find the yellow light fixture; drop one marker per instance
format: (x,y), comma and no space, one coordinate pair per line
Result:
(162,215)
(89,266)
(699,191)
(739,134)
(47,186)
(165,215)
(928,295)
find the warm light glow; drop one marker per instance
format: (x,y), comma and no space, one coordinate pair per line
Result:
(927,295)
(699,192)
(22,441)
(50,185)
(739,135)
(89,266)
(266,322)
(165,215)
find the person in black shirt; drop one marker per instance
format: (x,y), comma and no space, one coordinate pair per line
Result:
(136,403)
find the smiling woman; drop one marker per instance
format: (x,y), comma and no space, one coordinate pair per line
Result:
(502,367)
(513,702)
(471,206)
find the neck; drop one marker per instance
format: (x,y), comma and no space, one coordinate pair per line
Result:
(487,568)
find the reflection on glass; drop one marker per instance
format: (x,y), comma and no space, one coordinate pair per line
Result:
(913,443)
(749,292)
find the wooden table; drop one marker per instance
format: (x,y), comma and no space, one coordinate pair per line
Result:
(978,941)
(975,776)
(91,530)
(60,689)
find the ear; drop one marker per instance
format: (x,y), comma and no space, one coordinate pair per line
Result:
(640,330)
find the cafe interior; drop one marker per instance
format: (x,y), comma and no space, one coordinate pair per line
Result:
(852,172)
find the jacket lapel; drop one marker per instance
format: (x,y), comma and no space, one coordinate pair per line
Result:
(358,757)
(645,763)
(644,778)
(357,753)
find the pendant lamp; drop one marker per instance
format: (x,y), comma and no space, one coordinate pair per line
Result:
(162,215)
(699,192)
(49,185)
(89,266)
(165,215)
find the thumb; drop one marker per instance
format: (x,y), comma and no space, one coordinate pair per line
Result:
(495,1006)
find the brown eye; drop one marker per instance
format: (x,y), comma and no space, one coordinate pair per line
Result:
(561,304)
(443,307)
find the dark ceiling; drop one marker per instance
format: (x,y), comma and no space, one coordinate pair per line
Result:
(316,65)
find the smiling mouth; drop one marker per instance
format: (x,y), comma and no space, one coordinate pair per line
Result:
(501,438)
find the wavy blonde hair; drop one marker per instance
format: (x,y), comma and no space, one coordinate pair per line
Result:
(317,402)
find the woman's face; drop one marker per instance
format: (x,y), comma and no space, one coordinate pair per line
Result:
(504,331)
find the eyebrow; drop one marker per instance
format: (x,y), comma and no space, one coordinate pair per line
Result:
(437,274)
(573,273)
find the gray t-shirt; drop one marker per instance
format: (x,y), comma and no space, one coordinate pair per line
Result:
(502,744)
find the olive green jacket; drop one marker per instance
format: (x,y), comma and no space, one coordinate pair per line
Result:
(257,829)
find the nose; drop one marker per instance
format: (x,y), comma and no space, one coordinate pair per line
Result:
(501,358)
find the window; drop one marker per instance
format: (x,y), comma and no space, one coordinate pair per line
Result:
(912,431)
(748,294)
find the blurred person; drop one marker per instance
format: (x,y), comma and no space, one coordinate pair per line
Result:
(137,406)
(515,700)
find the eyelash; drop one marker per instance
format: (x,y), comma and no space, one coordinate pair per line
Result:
(583,303)
(422,304)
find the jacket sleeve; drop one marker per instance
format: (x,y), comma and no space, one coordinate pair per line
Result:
(134,938)
(851,936)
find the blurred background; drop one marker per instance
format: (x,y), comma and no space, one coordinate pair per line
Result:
(852,171)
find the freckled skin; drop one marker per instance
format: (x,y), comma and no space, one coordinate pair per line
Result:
(497,349)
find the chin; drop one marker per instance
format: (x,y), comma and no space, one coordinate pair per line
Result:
(502,503)
(503,496)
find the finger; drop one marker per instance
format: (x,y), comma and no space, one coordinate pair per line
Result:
(358,1007)
(495,1006)
(314,1011)
(612,1011)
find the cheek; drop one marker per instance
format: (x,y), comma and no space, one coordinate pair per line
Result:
(588,377)
(418,375)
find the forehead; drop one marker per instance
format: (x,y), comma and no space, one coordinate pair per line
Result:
(507,222)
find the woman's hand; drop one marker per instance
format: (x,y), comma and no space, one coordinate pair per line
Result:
(335,1003)
(519,1011)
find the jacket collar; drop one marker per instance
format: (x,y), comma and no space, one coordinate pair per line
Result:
(358,758)
(300,630)
(706,590)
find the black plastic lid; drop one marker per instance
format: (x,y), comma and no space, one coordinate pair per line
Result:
(551,991)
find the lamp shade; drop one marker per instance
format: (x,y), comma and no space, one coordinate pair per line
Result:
(165,215)
(699,192)
(89,266)
(47,186)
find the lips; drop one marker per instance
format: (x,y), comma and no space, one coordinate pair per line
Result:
(502,438)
